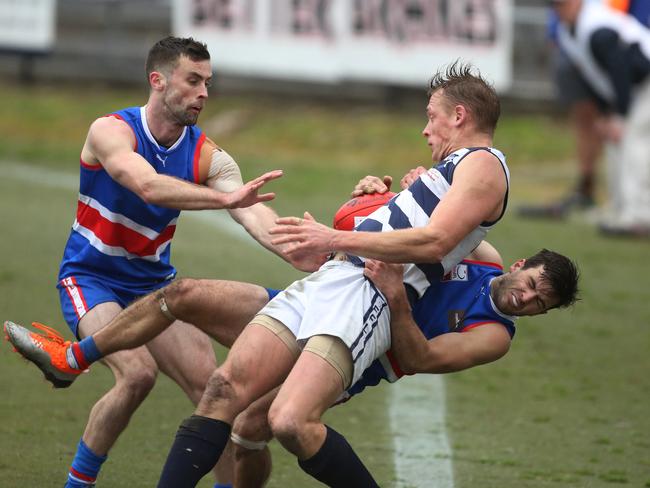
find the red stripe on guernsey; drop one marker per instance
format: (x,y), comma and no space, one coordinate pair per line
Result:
(483,263)
(91,167)
(117,234)
(476,324)
(393,362)
(135,139)
(79,356)
(197,157)
(81,476)
(76,296)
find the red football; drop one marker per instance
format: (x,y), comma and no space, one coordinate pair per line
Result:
(355,210)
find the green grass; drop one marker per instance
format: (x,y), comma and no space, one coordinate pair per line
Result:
(567,407)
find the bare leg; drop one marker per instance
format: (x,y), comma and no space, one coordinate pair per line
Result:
(252,456)
(135,373)
(295,416)
(219,308)
(295,419)
(258,361)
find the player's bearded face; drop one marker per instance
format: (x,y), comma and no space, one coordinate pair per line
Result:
(180,110)
(186,91)
(522,292)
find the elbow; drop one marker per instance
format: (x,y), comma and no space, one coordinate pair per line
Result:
(147,192)
(409,368)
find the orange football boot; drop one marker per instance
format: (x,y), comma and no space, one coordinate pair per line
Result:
(47,351)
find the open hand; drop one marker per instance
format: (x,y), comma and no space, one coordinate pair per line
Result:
(247,195)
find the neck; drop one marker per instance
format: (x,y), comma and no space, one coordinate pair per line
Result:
(476,140)
(164,131)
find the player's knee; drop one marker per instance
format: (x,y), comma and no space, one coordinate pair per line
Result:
(138,382)
(286,424)
(223,391)
(252,424)
(178,295)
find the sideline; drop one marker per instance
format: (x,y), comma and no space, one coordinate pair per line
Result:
(422,455)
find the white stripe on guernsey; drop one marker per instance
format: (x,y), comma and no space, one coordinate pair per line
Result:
(435,182)
(421,445)
(415,401)
(117,218)
(73,293)
(409,207)
(116,250)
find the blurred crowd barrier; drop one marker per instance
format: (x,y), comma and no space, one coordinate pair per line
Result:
(108,40)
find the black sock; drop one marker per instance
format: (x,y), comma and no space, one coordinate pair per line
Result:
(337,465)
(198,445)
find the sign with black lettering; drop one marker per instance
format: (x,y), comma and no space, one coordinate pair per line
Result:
(379,41)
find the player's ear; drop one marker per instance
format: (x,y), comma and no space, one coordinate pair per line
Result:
(517,265)
(461,114)
(157,80)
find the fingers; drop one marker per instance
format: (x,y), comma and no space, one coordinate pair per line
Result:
(265,197)
(411,176)
(265,178)
(388,181)
(287,239)
(288,221)
(371,184)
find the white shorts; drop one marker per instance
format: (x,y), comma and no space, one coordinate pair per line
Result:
(337,300)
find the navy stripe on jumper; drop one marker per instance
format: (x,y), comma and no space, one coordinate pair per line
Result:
(423,196)
(398,219)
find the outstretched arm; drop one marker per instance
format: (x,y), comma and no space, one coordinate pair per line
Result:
(445,353)
(224,175)
(110,142)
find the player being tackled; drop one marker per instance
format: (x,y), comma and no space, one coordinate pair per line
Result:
(49,352)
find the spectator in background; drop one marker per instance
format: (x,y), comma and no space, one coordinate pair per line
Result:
(587,110)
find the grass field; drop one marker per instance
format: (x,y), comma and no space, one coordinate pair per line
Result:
(567,407)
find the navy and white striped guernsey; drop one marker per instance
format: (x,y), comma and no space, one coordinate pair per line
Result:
(413,208)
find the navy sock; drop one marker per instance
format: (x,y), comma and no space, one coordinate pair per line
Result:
(198,445)
(337,465)
(85,467)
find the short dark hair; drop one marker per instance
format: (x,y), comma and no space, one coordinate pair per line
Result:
(560,273)
(462,87)
(164,55)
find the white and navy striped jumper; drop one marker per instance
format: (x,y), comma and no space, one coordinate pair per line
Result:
(116,235)
(414,206)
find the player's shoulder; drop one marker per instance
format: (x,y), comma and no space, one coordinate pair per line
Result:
(487,253)
(110,122)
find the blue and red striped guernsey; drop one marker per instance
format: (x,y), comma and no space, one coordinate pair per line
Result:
(457,303)
(115,234)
